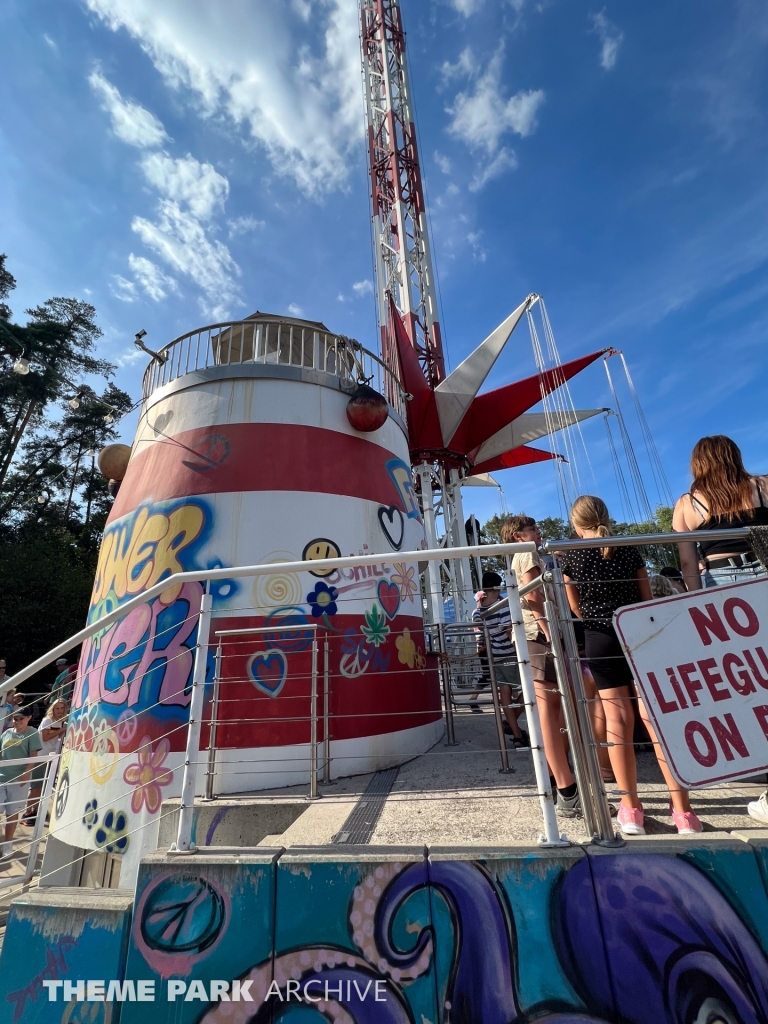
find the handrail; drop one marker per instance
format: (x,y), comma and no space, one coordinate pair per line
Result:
(236,572)
(626,540)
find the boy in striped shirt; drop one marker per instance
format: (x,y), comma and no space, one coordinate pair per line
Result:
(502,651)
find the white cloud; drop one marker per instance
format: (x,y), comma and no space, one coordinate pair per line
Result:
(610,38)
(188,181)
(50,42)
(123,289)
(467,7)
(242,225)
(150,277)
(443,162)
(295,92)
(478,252)
(505,160)
(361,288)
(295,310)
(482,116)
(180,240)
(130,121)
(465,67)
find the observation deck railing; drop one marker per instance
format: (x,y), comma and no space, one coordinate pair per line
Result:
(274,341)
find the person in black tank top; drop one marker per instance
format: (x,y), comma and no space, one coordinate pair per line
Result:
(723,494)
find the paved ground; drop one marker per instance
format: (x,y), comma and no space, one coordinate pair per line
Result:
(456,795)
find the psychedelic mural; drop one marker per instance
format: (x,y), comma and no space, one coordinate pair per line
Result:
(388,937)
(127,732)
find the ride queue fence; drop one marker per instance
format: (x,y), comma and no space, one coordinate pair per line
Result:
(456,647)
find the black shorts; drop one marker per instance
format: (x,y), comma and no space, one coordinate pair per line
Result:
(609,668)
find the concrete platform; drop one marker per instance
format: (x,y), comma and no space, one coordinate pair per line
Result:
(456,795)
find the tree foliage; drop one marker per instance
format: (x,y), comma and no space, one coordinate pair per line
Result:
(555,528)
(53,499)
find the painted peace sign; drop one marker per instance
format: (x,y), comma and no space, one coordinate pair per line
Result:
(62,793)
(182,915)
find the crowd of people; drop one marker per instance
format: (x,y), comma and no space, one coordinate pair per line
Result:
(21,784)
(599,580)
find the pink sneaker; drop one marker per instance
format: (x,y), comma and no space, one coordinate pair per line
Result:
(630,820)
(686,822)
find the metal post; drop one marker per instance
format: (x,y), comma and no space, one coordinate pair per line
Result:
(606,832)
(505,769)
(326,713)
(445,676)
(551,835)
(313,793)
(184,842)
(571,719)
(434,588)
(42,810)
(465,573)
(209,777)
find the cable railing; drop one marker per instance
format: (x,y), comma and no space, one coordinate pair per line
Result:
(454,653)
(274,341)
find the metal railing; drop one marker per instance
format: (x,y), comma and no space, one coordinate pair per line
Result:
(274,341)
(570,683)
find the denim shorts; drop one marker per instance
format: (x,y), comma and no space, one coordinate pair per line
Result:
(726,574)
(13,797)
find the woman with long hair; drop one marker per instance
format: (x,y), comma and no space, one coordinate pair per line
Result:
(600,580)
(722,495)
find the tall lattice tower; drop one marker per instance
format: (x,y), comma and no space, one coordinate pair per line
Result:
(401,238)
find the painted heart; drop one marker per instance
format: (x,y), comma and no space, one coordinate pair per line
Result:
(392,524)
(389,598)
(268,671)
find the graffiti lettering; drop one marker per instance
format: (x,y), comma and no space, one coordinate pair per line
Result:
(142,548)
(55,966)
(150,648)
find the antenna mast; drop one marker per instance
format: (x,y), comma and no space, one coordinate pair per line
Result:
(401,239)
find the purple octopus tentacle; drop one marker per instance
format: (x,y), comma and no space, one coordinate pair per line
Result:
(480,989)
(672,939)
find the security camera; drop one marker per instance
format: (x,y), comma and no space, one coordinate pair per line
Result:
(141,334)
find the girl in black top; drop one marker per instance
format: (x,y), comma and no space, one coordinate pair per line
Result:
(602,580)
(722,494)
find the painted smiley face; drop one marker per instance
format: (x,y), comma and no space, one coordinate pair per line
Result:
(320,548)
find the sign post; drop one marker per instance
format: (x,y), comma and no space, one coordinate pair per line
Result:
(700,661)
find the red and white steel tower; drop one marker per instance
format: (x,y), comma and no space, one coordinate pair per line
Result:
(453,431)
(403,260)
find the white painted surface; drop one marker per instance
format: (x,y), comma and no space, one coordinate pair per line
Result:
(701,663)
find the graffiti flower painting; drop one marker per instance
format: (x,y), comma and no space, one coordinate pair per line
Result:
(148,775)
(322,600)
(375,629)
(406,649)
(403,577)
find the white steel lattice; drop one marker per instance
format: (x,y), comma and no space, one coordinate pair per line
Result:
(403,260)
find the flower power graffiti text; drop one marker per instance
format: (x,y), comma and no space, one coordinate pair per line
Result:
(144,547)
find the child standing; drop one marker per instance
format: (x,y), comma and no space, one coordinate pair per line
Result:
(602,580)
(502,651)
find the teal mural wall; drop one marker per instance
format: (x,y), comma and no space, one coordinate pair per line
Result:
(659,931)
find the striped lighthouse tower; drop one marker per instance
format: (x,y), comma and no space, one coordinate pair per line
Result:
(245,454)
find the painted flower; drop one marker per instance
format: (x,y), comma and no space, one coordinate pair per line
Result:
(406,649)
(322,600)
(111,835)
(375,629)
(404,577)
(91,817)
(148,775)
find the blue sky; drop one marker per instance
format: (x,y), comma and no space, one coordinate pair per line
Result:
(179,161)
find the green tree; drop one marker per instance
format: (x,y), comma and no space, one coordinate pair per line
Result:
(58,340)
(7,284)
(53,499)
